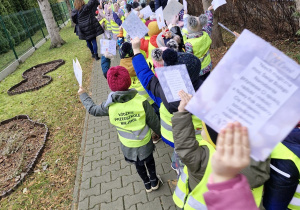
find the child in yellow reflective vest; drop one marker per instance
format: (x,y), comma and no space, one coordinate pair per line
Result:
(133,117)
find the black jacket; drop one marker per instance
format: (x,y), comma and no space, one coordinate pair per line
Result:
(87,26)
(160,3)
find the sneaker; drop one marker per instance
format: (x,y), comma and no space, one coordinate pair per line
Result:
(154,184)
(148,187)
(155,138)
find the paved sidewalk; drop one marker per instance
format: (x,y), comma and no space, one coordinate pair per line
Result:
(104,180)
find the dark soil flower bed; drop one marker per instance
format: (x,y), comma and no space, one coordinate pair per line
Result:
(35,78)
(21,141)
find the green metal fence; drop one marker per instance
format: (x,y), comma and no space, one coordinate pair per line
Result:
(21,31)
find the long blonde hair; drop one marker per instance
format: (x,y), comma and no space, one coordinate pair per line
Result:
(78,4)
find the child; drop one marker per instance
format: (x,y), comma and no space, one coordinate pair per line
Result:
(198,39)
(133,117)
(282,190)
(196,155)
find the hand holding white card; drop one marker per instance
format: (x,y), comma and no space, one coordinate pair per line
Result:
(108,46)
(160,18)
(218,3)
(147,12)
(77,71)
(171,10)
(173,79)
(261,91)
(134,26)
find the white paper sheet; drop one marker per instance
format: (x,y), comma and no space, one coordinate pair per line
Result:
(77,71)
(147,12)
(171,10)
(218,3)
(260,90)
(185,5)
(134,26)
(160,18)
(173,79)
(108,45)
(135,12)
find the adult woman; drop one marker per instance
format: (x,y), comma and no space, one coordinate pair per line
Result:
(87,27)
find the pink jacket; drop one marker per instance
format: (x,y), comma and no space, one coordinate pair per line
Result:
(234,194)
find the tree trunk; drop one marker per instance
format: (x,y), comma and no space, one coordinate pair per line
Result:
(217,39)
(70,12)
(56,40)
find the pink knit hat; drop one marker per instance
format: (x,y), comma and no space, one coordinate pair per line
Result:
(118,78)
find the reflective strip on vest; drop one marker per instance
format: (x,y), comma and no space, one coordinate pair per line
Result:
(144,92)
(181,195)
(114,27)
(169,128)
(194,204)
(295,202)
(136,135)
(283,153)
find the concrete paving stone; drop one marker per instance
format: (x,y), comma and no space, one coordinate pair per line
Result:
(165,150)
(100,127)
(90,130)
(99,163)
(169,176)
(163,159)
(116,184)
(130,179)
(164,190)
(124,163)
(99,150)
(89,174)
(167,167)
(113,135)
(85,184)
(97,207)
(98,199)
(110,153)
(115,158)
(88,153)
(105,121)
(92,146)
(87,167)
(98,120)
(107,131)
(122,172)
(115,205)
(98,140)
(167,202)
(90,159)
(88,192)
(112,167)
(84,204)
(138,186)
(133,207)
(116,193)
(130,200)
(155,204)
(159,169)
(100,179)
(89,140)
(113,145)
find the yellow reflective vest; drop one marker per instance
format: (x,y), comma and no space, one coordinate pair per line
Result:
(193,200)
(166,124)
(114,27)
(201,47)
(130,121)
(283,153)
(136,84)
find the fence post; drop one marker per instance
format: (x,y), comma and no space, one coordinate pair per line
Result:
(9,40)
(25,24)
(38,20)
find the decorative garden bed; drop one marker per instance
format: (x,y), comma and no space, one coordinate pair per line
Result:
(21,141)
(35,78)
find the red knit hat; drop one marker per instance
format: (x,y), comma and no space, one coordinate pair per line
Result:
(118,78)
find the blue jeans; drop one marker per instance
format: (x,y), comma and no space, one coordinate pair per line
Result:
(92,45)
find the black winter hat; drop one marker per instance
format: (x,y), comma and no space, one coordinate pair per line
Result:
(126,50)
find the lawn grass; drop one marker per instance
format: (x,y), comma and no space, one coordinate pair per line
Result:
(58,106)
